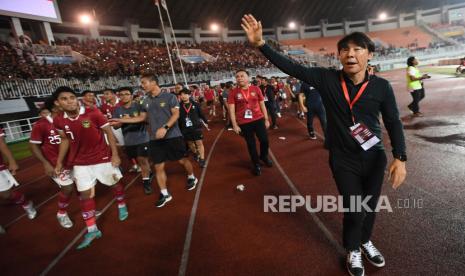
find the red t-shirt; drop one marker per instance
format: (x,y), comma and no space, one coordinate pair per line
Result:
(209,94)
(108,109)
(45,134)
(87,140)
(246,99)
(2,165)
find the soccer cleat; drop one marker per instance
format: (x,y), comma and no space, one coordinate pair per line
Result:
(354,263)
(191,183)
(312,135)
(64,221)
(202,163)
(372,254)
(89,238)
(163,200)
(123,213)
(31,212)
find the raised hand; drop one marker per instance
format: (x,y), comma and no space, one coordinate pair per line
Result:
(253,29)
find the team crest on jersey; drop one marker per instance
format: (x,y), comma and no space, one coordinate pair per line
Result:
(162,104)
(86,124)
(239,96)
(52,132)
(253,94)
(66,127)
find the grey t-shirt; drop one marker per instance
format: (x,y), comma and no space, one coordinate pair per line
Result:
(159,112)
(134,134)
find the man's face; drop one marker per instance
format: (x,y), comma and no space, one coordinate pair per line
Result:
(44,113)
(177,88)
(108,95)
(242,79)
(147,84)
(184,97)
(89,98)
(354,58)
(68,102)
(125,96)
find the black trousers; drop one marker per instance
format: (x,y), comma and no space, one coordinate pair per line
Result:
(249,131)
(417,96)
(317,110)
(271,109)
(358,175)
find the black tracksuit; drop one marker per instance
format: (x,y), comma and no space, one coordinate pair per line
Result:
(356,172)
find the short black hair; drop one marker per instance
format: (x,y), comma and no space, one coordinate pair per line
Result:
(243,70)
(151,77)
(86,92)
(109,89)
(185,91)
(125,88)
(410,61)
(49,104)
(62,89)
(358,38)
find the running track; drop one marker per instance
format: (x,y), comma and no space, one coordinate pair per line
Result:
(218,230)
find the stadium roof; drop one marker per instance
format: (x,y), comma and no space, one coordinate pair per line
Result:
(271,12)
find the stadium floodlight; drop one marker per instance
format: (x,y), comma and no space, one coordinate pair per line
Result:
(292,25)
(85,19)
(214,27)
(382,16)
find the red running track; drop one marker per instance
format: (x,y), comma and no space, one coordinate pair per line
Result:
(218,230)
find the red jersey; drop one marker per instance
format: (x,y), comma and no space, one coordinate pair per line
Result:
(108,109)
(45,134)
(2,165)
(209,94)
(246,99)
(87,140)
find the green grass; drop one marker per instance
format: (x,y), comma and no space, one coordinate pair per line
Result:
(20,150)
(440,70)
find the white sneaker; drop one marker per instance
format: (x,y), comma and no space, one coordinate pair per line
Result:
(372,254)
(64,220)
(354,263)
(278,114)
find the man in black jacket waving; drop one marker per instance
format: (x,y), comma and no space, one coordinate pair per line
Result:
(353,100)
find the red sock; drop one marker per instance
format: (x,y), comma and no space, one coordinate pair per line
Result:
(88,213)
(118,191)
(63,202)
(18,198)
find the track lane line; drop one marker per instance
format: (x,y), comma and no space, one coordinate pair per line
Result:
(190,227)
(55,261)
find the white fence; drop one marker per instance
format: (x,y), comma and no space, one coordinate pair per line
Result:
(18,130)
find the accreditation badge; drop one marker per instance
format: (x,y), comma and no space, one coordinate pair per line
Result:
(363,136)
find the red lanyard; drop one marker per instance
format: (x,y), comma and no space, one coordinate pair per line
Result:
(246,97)
(187,110)
(346,94)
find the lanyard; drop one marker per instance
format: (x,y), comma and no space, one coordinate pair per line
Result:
(246,96)
(346,95)
(187,109)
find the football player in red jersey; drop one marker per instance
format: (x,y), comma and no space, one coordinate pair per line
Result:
(44,144)
(83,141)
(7,180)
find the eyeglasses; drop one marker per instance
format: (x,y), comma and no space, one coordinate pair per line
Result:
(125,94)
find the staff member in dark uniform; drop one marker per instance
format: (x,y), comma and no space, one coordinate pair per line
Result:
(249,117)
(190,123)
(270,102)
(353,101)
(310,103)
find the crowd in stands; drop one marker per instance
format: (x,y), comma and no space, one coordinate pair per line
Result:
(114,58)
